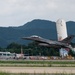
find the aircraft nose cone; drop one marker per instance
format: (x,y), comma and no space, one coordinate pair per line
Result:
(25,37)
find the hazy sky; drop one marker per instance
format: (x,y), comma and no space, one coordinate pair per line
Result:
(19,12)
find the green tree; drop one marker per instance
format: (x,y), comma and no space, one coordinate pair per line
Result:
(14,47)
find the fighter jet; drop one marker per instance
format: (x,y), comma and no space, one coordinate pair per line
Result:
(65,43)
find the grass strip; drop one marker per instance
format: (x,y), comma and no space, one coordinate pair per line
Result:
(3,73)
(36,62)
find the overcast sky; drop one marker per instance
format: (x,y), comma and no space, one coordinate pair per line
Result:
(19,12)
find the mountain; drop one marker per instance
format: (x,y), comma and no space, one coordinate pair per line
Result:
(43,28)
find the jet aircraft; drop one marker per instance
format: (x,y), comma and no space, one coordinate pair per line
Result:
(65,43)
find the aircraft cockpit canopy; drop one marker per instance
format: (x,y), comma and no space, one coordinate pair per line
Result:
(35,36)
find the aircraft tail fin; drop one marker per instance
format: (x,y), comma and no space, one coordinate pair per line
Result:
(68,39)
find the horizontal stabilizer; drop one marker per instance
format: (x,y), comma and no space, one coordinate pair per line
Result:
(68,39)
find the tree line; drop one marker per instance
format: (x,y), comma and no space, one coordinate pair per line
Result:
(33,49)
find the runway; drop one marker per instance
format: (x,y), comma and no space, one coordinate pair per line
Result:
(38,69)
